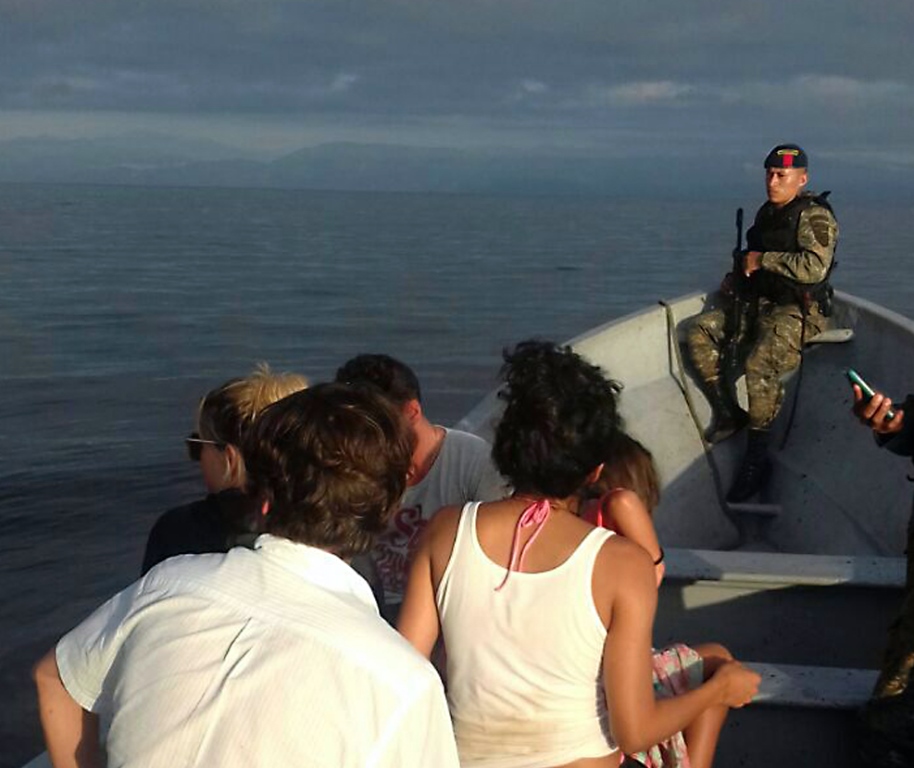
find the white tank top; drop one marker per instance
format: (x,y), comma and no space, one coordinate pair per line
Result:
(524,664)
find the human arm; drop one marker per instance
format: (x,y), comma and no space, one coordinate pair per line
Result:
(70,732)
(817,236)
(173,533)
(893,434)
(73,681)
(153,554)
(625,513)
(418,619)
(639,720)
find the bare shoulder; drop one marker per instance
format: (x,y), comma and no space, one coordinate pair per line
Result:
(439,535)
(621,558)
(623,575)
(625,499)
(442,525)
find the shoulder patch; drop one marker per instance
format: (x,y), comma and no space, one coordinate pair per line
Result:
(821,228)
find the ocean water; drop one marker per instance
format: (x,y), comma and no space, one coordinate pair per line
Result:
(120,307)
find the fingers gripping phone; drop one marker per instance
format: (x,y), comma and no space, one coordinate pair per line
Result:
(866,389)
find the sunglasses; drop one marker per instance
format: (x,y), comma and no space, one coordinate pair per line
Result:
(195,445)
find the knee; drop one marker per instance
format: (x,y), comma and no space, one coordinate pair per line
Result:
(771,364)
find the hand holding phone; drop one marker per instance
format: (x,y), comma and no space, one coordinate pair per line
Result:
(866,389)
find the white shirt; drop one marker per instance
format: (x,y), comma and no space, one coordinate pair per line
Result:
(463,472)
(272,657)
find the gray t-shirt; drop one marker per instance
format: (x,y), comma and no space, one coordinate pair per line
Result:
(462,472)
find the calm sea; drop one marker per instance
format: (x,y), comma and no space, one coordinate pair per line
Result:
(120,307)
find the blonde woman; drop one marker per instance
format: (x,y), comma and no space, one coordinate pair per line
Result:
(225,517)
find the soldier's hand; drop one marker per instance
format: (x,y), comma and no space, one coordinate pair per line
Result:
(728,284)
(752,262)
(872,412)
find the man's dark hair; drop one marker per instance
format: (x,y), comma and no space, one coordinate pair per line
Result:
(395,379)
(332,463)
(559,422)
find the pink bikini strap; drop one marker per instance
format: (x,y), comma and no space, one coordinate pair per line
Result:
(536,514)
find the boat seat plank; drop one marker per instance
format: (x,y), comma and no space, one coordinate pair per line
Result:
(792,569)
(832,336)
(751,508)
(793,685)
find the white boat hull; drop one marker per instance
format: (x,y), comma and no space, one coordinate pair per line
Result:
(805,595)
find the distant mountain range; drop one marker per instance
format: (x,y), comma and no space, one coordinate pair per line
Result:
(152,159)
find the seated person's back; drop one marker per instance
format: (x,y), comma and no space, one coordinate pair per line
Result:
(269,656)
(448,467)
(547,620)
(535,647)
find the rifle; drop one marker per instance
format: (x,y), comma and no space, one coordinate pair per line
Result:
(731,367)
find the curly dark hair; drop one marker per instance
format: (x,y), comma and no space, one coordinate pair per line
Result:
(559,422)
(394,378)
(332,463)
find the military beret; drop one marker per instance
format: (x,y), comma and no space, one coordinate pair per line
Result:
(787,156)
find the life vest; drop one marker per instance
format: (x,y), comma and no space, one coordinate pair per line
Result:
(775,229)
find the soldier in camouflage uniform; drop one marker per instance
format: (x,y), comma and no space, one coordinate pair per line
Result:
(777,299)
(887,734)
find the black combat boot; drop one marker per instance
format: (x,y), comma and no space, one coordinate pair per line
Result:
(755,470)
(728,417)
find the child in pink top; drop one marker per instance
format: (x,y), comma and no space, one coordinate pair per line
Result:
(622,500)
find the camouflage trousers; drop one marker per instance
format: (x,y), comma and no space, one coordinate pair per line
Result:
(898,662)
(769,349)
(886,724)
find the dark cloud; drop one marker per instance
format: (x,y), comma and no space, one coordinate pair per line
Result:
(665,72)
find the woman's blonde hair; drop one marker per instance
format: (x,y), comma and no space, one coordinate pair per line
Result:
(227,412)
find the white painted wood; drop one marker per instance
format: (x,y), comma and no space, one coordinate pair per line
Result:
(792,685)
(786,569)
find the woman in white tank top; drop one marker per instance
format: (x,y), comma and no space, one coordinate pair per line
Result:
(546,619)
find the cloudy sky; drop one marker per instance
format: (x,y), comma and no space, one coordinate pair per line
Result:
(633,77)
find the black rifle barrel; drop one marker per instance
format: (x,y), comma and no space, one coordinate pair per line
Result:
(739,229)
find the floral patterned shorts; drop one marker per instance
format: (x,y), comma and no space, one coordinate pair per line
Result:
(677,669)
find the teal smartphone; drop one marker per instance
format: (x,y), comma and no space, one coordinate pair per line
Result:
(866,389)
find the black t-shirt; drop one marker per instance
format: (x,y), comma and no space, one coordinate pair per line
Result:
(213,524)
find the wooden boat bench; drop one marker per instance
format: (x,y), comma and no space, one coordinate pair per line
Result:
(774,607)
(796,685)
(785,568)
(802,716)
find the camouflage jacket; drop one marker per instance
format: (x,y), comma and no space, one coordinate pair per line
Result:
(816,238)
